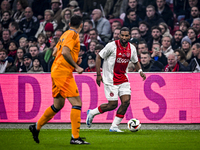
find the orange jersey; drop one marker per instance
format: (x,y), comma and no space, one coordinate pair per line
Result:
(63,82)
(60,66)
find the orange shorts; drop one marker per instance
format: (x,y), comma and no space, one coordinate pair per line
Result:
(65,86)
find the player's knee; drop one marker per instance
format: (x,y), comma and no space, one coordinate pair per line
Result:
(113,106)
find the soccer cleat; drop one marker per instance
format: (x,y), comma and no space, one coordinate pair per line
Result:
(34,132)
(78,141)
(89,119)
(115,129)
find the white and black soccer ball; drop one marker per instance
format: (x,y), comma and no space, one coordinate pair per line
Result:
(134,125)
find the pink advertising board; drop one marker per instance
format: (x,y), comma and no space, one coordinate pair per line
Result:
(161,98)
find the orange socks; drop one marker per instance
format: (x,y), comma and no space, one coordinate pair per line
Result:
(48,115)
(75,121)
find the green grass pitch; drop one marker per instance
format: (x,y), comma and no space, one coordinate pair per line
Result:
(101,139)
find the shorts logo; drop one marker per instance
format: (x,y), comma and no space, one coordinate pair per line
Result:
(76,91)
(111,94)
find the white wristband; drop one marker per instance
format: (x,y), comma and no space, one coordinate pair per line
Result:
(140,70)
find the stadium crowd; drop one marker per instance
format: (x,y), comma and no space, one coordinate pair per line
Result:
(166,33)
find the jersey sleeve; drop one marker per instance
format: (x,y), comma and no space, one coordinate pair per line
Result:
(107,50)
(134,57)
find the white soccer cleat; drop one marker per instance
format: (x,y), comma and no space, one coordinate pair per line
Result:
(89,119)
(115,129)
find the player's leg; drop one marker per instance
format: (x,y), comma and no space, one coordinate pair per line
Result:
(111,93)
(124,94)
(49,113)
(75,117)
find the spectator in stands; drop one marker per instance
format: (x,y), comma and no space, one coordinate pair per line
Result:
(127,4)
(48,17)
(142,47)
(90,5)
(39,7)
(29,24)
(20,9)
(153,18)
(36,66)
(55,7)
(73,4)
(173,64)
(192,34)
(10,65)
(87,26)
(131,67)
(131,19)
(112,8)
(3,63)
(66,14)
(155,36)
(115,24)
(144,30)
(92,46)
(183,26)
(135,34)
(176,40)
(195,62)
(46,55)
(180,7)
(1,44)
(166,45)
(19,60)
(181,57)
(83,56)
(6,19)
(164,29)
(164,10)
(58,33)
(23,43)
(192,3)
(91,63)
(5,6)
(145,61)
(186,47)
(81,37)
(1,29)
(98,48)
(102,25)
(116,34)
(195,13)
(12,50)
(157,54)
(34,51)
(41,42)
(6,35)
(93,33)
(77,11)
(16,34)
(28,61)
(196,26)
(49,32)
(32,41)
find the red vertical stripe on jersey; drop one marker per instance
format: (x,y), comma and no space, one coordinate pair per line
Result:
(123,56)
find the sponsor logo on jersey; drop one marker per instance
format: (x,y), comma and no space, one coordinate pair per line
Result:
(120,53)
(111,94)
(122,61)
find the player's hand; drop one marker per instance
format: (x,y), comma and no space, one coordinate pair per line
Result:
(143,75)
(79,61)
(99,80)
(79,69)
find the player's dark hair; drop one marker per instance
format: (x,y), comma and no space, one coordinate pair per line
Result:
(125,29)
(76,21)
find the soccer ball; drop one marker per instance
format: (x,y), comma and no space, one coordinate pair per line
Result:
(134,125)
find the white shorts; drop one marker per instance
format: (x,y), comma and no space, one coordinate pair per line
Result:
(113,91)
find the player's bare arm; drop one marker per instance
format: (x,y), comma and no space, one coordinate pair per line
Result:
(54,52)
(138,68)
(66,54)
(98,65)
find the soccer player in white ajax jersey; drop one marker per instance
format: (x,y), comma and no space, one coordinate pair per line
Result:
(116,55)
